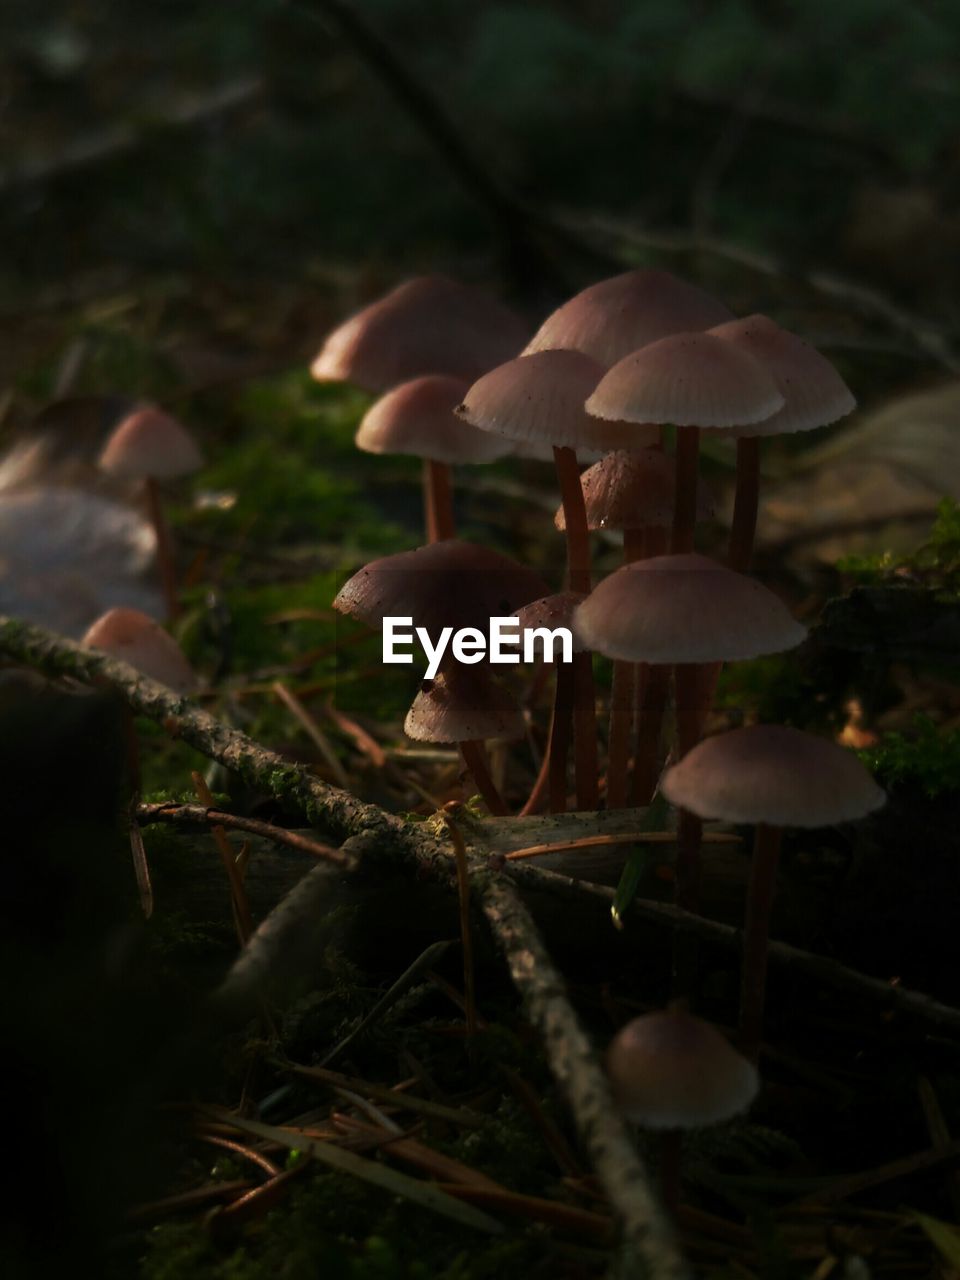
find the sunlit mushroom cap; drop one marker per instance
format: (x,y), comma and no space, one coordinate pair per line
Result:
(684,608)
(539,399)
(463,704)
(135,638)
(446,584)
(418,418)
(670,1070)
(610,319)
(690,380)
(814,393)
(549,613)
(775,775)
(430,324)
(631,490)
(149,443)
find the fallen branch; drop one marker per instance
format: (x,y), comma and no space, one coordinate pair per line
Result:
(198,815)
(647,1234)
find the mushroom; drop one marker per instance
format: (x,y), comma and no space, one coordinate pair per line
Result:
(464,705)
(684,611)
(671,1072)
(814,395)
(149,445)
(538,399)
(634,492)
(610,319)
(772,777)
(430,324)
(689,380)
(137,639)
(418,418)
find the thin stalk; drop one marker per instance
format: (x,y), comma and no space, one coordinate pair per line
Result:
(691,714)
(575,518)
(687,460)
(474,758)
(756,937)
(165,559)
(745,504)
(622,700)
(585,732)
(466,936)
(653,687)
(671,1142)
(561,727)
(438,501)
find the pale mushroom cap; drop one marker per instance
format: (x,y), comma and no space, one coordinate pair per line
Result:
(684,608)
(670,1070)
(149,443)
(135,638)
(463,705)
(632,490)
(539,399)
(551,612)
(774,775)
(610,319)
(689,380)
(451,583)
(814,393)
(418,418)
(430,324)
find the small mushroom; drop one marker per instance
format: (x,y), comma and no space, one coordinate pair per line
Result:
(672,1072)
(772,777)
(149,445)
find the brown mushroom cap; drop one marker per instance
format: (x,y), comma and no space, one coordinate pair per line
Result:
(689,380)
(684,608)
(631,490)
(551,612)
(463,704)
(610,319)
(775,775)
(135,638)
(149,443)
(418,418)
(430,324)
(538,400)
(814,393)
(670,1070)
(446,584)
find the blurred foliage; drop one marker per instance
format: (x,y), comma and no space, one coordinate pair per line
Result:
(935,562)
(930,755)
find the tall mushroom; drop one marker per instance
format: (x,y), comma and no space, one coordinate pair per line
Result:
(772,777)
(672,1072)
(418,418)
(683,611)
(539,399)
(148,445)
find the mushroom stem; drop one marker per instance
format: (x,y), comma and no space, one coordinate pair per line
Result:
(438,501)
(745,504)
(671,1142)
(558,747)
(141,867)
(578,576)
(756,937)
(622,699)
(687,459)
(691,713)
(538,792)
(474,758)
(165,562)
(653,686)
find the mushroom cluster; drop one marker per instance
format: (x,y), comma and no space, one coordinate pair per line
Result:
(628,374)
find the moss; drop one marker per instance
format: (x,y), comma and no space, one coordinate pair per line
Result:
(935,562)
(929,755)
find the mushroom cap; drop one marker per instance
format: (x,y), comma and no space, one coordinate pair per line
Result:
(463,704)
(149,443)
(631,490)
(814,393)
(446,584)
(772,774)
(418,418)
(430,324)
(689,380)
(538,399)
(552,612)
(610,319)
(135,638)
(670,1070)
(684,608)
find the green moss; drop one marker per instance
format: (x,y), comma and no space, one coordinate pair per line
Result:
(929,755)
(936,561)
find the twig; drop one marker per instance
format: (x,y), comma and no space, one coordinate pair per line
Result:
(231,864)
(193,815)
(460,1116)
(628,837)
(463,894)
